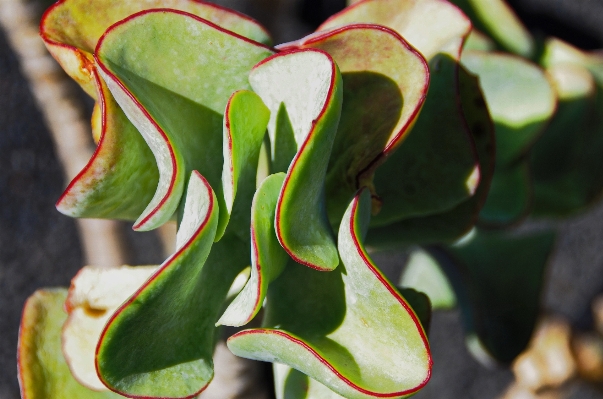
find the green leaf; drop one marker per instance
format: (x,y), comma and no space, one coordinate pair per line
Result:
(430,26)
(510,197)
(174,86)
(497,19)
(103,188)
(245,121)
(290,383)
(420,304)
(43,372)
(455,223)
(71,28)
(347,328)
(423,273)
(477,41)
(519,97)
(309,85)
(566,160)
(267,256)
(498,280)
(166,329)
(436,167)
(384,86)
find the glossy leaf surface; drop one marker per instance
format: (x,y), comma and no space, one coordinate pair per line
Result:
(349,329)
(43,372)
(308,84)
(175,92)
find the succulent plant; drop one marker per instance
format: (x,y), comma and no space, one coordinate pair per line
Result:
(395,125)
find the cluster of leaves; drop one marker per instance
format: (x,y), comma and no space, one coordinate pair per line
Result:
(382,126)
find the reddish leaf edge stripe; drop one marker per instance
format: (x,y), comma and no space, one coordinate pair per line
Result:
(161,133)
(319,36)
(139,105)
(163,267)
(46,37)
(258,267)
(362,2)
(328,365)
(20,367)
(103,106)
(354,232)
(327,104)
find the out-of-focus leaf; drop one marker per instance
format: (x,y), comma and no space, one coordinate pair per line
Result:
(430,26)
(436,167)
(424,274)
(455,223)
(519,97)
(498,280)
(510,196)
(497,19)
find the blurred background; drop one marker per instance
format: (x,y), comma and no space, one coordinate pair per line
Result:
(44,141)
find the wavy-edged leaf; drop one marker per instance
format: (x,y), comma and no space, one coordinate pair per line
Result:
(43,372)
(245,121)
(431,26)
(436,167)
(166,329)
(498,280)
(94,295)
(348,329)
(267,256)
(71,28)
(510,197)
(519,97)
(384,86)
(308,83)
(174,86)
(455,223)
(498,20)
(103,188)
(290,383)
